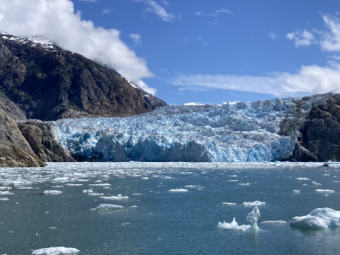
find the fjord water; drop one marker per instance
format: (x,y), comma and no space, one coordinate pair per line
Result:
(173,222)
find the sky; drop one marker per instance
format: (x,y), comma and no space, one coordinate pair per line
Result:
(196,50)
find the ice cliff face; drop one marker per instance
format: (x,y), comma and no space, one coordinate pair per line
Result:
(242,132)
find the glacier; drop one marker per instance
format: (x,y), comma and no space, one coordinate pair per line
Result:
(241,132)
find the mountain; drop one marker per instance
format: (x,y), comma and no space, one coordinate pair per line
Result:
(296,129)
(40,80)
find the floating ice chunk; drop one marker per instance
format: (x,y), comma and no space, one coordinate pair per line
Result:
(304,184)
(244,184)
(255,203)
(58,186)
(5,188)
(60,179)
(326,175)
(133,206)
(145,178)
(232,180)
(233,225)
(253,217)
(335,181)
(319,218)
(55,251)
(82,180)
(194,187)
(227,203)
(6,193)
(98,181)
(101,185)
(86,191)
(316,184)
(274,222)
(25,188)
(74,185)
(4,199)
(52,192)
(137,194)
(303,179)
(233,175)
(119,197)
(125,223)
(52,227)
(329,191)
(296,191)
(95,194)
(107,207)
(178,190)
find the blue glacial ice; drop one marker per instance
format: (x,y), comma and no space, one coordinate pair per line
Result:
(241,132)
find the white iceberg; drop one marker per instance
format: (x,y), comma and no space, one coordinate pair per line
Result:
(244,184)
(253,217)
(274,222)
(233,226)
(255,203)
(227,203)
(119,197)
(328,191)
(100,185)
(316,184)
(107,207)
(6,193)
(4,199)
(55,251)
(302,179)
(74,184)
(52,192)
(178,190)
(296,191)
(320,218)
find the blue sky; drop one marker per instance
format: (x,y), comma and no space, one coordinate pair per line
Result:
(216,51)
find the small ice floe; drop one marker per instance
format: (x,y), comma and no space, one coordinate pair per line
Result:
(60,180)
(274,222)
(125,223)
(145,178)
(178,190)
(82,180)
(304,184)
(316,184)
(107,207)
(133,206)
(119,197)
(24,188)
(137,194)
(227,203)
(55,251)
(253,217)
(100,185)
(5,188)
(233,226)
(320,218)
(4,199)
(296,191)
(326,175)
(52,192)
(302,179)
(232,180)
(335,181)
(98,181)
(86,191)
(52,227)
(58,186)
(244,184)
(194,187)
(107,188)
(74,184)
(255,203)
(233,175)
(95,194)
(6,193)
(328,191)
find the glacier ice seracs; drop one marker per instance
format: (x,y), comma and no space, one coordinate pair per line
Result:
(241,132)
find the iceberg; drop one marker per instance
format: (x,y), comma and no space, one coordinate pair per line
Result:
(255,203)
(329,191)
(107,207)
(119,197)
(52,192)
(227,203)
(320,218)
(178,190)
(274,222)
(55,251)
(253,217)
(233,226)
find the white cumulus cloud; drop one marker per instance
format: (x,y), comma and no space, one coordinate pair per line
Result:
(58,21)
(273,35)
(301,38)
(136,38)
(309,80)
(157,9)
(331,40)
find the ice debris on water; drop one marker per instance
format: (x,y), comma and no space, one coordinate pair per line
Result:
(100,185)
(52,192)
(329,191)
(227,203)
(233,226)
(296,191)
(119,197)
(4,199)
(6,193)
(253,217)
(107,207)
(244,184)
(302,179)
(55,251)
(319,218)
(316,184)
(74,185)
(255,203)
(178,190)
(274,222)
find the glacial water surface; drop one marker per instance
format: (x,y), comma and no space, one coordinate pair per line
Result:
(154,220)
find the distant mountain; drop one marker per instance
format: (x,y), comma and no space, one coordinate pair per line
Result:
(40,80)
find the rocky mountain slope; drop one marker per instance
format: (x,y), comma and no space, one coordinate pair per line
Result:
(43,81)
(15,151)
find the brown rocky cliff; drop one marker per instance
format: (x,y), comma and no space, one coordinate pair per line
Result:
(15,151)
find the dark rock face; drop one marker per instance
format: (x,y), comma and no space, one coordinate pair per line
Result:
(40,137)
(320,134)
(48,83)
(14,149)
